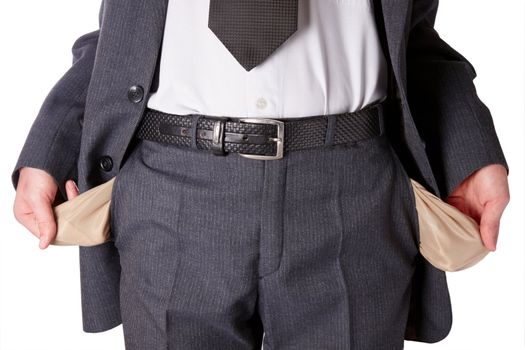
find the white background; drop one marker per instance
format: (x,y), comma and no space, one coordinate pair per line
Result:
(40,289)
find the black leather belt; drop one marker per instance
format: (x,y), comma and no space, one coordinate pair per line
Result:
(260,138)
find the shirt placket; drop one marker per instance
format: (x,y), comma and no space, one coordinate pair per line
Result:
(263,90)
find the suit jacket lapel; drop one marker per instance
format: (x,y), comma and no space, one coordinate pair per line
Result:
(396,15)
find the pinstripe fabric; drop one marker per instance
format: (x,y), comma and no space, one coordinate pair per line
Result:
(317,249)
(252,29)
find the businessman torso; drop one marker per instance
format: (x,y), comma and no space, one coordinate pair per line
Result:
(128,58)
(88,120)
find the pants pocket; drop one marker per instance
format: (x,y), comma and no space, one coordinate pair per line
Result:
(409,197)
(116,192)
(112,226)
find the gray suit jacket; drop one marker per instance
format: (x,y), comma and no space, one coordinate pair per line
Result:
(440,129)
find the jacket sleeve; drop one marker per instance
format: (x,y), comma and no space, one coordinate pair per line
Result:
(455,125)
(53,141)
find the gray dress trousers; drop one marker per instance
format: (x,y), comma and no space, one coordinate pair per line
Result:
(312,251)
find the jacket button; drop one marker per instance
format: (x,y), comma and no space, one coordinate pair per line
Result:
(106,163)
(135,93)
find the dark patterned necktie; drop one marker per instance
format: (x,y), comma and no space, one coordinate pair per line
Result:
(252,29)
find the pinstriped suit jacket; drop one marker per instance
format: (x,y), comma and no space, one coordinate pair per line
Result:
(440,129)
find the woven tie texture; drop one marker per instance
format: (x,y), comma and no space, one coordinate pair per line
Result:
(252,29)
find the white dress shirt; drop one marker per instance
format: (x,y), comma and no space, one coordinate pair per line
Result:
(332,64)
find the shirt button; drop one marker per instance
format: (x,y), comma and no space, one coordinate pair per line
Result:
(106,163)
(261,103)
(135,93)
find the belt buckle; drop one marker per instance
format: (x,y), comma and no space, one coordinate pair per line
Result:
(278,140)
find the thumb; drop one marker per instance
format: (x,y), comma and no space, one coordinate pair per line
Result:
(71,189)
(46,223)
(489,224)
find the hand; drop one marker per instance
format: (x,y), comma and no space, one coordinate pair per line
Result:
(35,194)
(483,196)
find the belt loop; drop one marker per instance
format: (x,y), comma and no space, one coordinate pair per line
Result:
(330,130)
(194,122)
(217,141)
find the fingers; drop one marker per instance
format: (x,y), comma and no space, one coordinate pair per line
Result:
(35,193)
(24,215)
(36,214)
(45,221)
(489,223)
(34,210)
(33,206)
(457,202)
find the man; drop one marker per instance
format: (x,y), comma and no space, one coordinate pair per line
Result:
(317,248)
